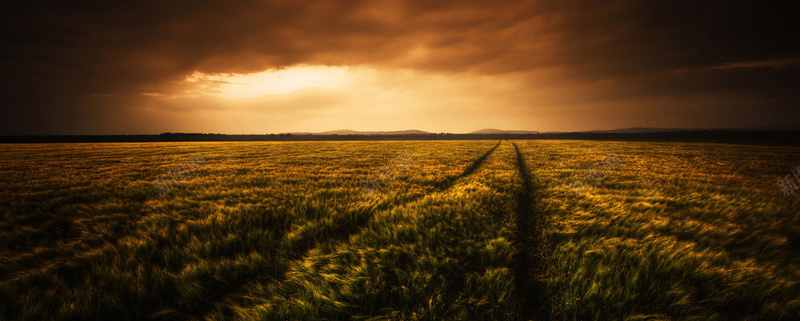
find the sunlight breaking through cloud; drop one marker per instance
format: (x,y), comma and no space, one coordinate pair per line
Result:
(268,82)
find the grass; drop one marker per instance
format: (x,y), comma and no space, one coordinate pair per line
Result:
(467,230)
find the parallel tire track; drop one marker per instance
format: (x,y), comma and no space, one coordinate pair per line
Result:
(302,253)
(528,257)
(441,187)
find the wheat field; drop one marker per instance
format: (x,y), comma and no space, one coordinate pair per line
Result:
(398,230)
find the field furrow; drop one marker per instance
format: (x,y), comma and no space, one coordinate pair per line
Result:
(529,272)
(334,229)
(422,259)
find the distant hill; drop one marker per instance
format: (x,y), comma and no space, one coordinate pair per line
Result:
(752,136)
(355,132)
(639,130)
(648,130)
(495,131)
(501,131)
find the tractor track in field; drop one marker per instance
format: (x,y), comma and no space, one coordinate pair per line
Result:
(302,253)
(529,254)
(441,187)
(447,183)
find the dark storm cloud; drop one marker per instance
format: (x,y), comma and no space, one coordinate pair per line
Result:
(60,56)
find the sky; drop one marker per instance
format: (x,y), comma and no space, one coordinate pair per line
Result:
(274,66)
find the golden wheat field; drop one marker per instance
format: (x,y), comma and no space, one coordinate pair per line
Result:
(399,230)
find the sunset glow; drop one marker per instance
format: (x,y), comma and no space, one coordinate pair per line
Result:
(276,66)
(269,82)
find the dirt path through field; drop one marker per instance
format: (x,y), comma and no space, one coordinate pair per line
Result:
(529,259)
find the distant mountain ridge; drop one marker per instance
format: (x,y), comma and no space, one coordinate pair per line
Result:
(355,132)
(754,136)
(490,131)
(502,131)
(646,130)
